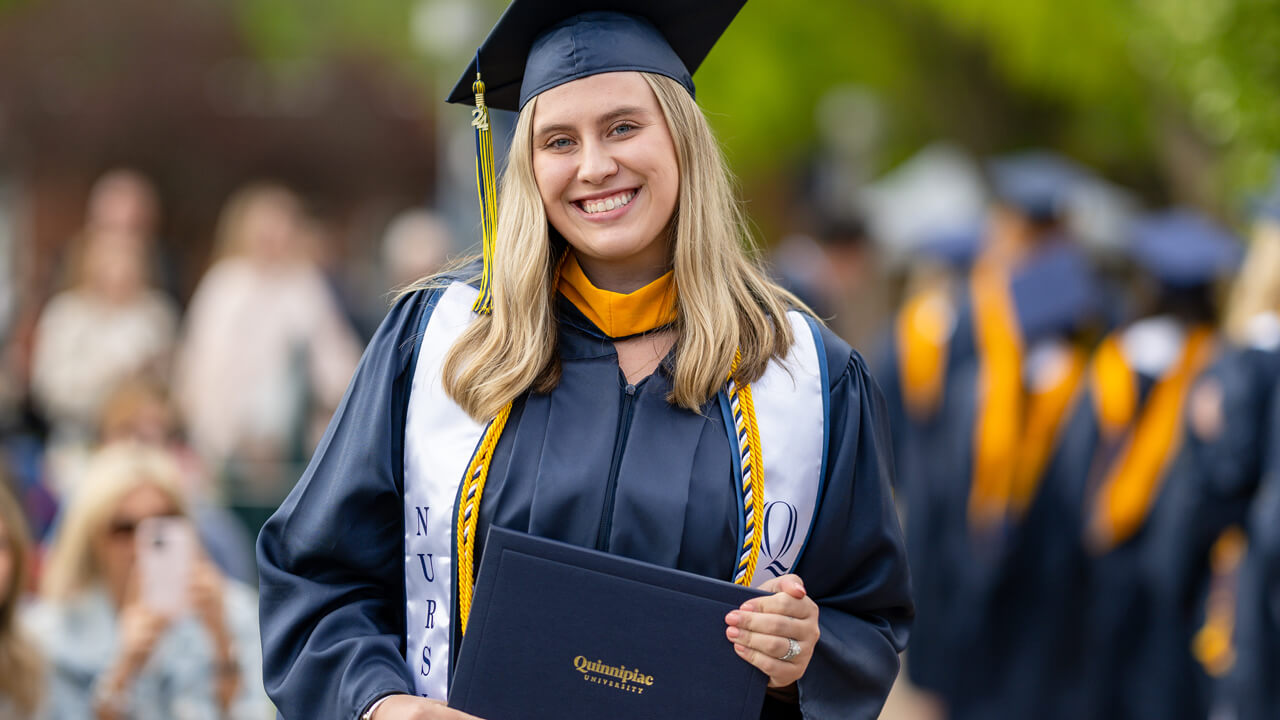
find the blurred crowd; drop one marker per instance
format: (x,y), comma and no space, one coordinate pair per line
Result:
(151,440)
(1083,424)
(1085,427)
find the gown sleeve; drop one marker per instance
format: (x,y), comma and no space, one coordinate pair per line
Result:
(331,558)
(855,565)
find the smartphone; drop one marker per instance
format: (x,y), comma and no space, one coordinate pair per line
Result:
(166,548)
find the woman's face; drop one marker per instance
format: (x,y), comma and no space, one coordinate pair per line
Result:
(114,549)
(115,262)
(607,172)
(271,231)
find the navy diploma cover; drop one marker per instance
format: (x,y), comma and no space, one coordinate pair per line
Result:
(557,631)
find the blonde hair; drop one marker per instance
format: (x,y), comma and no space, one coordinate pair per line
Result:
(21,669)
(113,472)
(724,303)
(1257,288)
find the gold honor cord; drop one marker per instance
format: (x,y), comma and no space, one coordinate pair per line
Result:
(1214,643)
(469,513)
(752,463)
(486,187)
(744,414)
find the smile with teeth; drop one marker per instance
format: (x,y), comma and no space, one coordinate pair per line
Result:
(613,202)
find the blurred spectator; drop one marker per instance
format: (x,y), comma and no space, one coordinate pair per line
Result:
(853,283)
(111,656)
(125,201)
(20,666)
(416,245)
(109,326)
(267,353)
(139,411)
(838,275)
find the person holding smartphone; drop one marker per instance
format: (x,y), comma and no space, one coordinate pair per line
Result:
(133,620)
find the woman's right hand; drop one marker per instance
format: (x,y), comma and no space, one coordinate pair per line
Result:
(412,707)
(140,629)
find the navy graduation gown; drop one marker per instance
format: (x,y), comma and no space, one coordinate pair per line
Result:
(923,473)
(1137,628)
(594,462)
(1240,486)
(1253,689)
(1014,607)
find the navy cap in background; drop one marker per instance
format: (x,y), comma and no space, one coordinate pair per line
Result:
(1055,292)
(1182,248)
(957,246)
(1036,183)
(540,44)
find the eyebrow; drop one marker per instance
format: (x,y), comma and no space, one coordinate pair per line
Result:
(603,120)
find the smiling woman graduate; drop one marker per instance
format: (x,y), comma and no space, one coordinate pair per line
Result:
(620,376)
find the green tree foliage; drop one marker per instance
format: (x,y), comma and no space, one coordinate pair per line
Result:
(1104,80)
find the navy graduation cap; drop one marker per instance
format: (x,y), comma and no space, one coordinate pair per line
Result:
(1182,248)
(541,44)
(1037,183)
(1055,292)
(956,245)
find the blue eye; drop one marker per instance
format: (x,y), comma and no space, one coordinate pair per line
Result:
(559,143)
(623,129)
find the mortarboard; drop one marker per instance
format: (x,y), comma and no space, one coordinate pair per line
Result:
(1054,292)
(1182,248)
(957,246)
(1037,183)
(541,44)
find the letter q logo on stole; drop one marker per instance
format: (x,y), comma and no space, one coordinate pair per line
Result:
(780,523)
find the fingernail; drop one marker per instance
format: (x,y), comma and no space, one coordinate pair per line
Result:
(733,632)
(740,649)
(733,618)
(748,606)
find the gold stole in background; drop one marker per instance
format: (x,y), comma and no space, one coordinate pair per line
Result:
(1016,427)
(1147,439)
(923,336)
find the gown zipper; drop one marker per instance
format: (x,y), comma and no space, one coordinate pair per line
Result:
(619,445)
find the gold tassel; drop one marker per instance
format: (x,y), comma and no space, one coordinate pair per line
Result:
(486,187)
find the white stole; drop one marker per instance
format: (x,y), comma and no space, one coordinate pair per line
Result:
(790,400)
(439,441)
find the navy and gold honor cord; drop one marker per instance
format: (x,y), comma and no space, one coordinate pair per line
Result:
(750,459)
(486,187)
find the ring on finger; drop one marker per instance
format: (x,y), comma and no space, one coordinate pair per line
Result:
(793,650)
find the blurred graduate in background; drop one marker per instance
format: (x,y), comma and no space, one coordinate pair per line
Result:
(980,367)
(1123,467)
(1234,424)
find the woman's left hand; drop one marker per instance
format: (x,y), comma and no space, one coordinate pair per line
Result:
(763,628)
